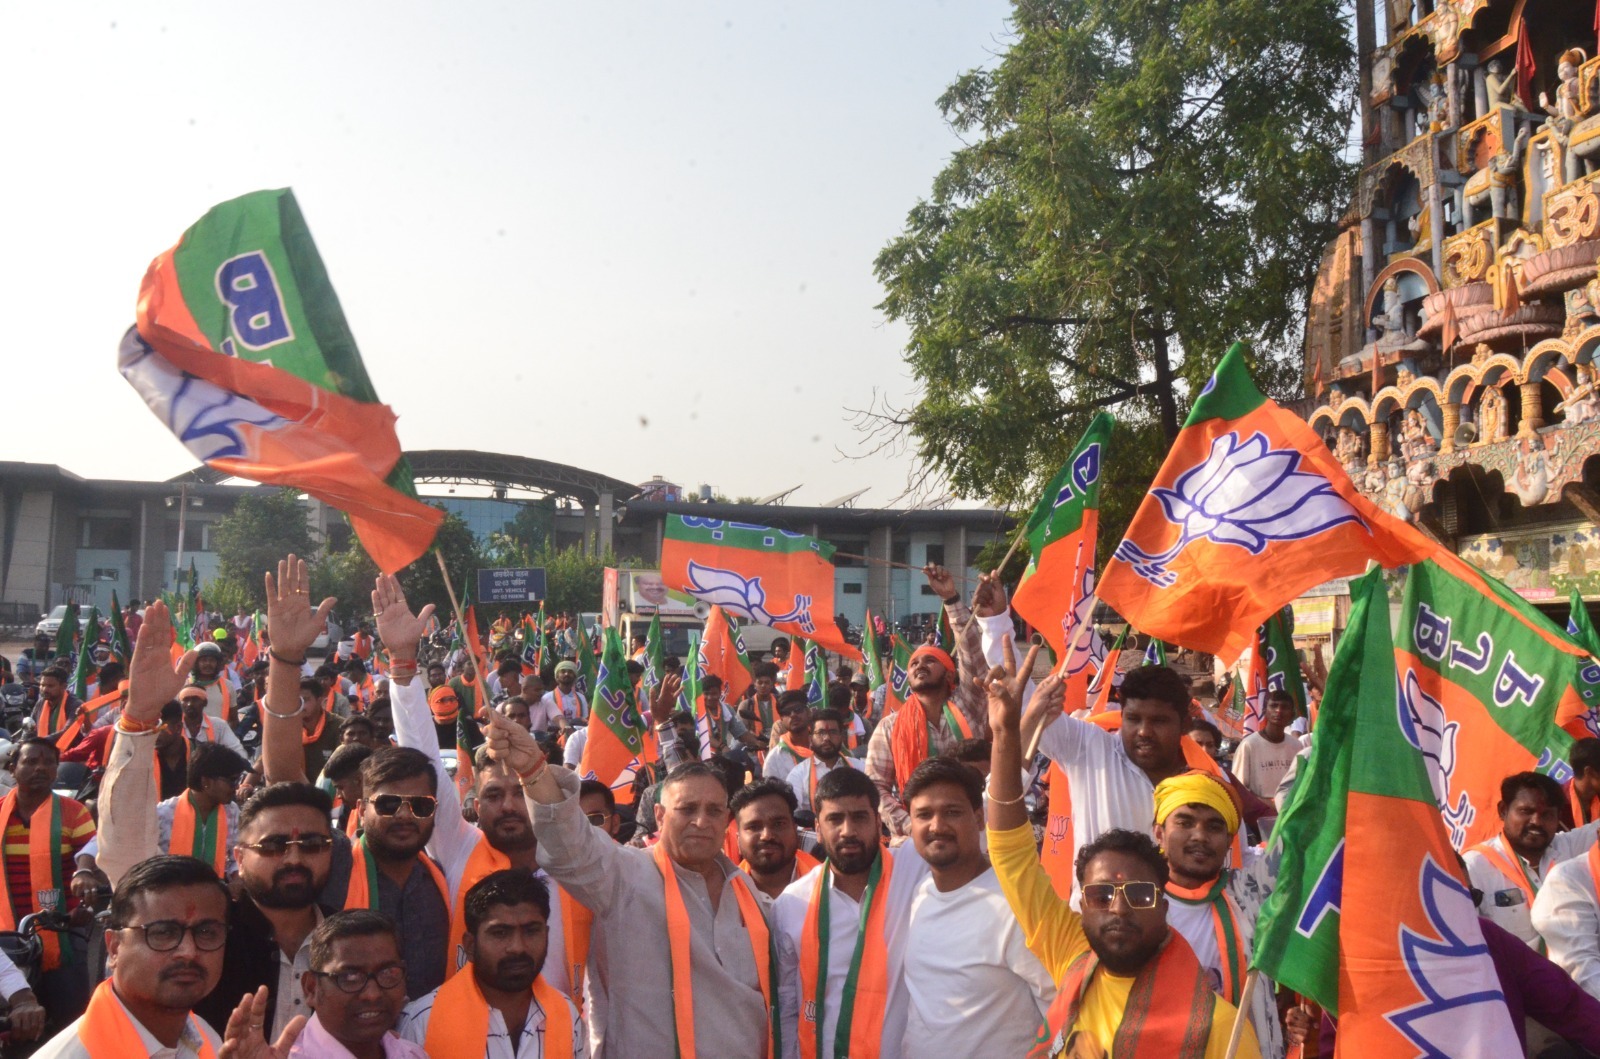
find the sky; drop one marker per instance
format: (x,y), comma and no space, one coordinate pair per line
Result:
(636,238)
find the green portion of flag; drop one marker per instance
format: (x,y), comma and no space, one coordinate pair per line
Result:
(900,669)
(871,662)
(1074,489)
(1282,663)
(752,538)
(816,677)
(1297,933)
(91,635)
(67,634)
(1230,393)
(1155,653)
(588,674)
(654,655)
(613,701)
(119,632)
(1581,628)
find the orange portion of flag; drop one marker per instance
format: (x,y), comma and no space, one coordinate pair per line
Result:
(722,656)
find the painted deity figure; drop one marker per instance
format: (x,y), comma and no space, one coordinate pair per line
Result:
(1416,441)
(1581,404)
(1501,81)
(1391,322)
(1493,417)
(1567,105)
(1349,452)
(1531,478)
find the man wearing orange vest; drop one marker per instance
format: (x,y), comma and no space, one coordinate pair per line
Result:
(942,710)
(501,1007)
(503,837)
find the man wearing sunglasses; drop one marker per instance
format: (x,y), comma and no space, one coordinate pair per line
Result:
(1123,975)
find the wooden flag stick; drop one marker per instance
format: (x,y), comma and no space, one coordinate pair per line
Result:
(1240,1018)
(1077,638)
(480,662)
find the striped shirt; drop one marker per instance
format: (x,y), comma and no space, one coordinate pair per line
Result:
(77,828)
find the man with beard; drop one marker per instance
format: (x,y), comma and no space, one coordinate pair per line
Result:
(565,696)
(1511,867)
(503,1008)
(942,710)
(682,905)
(827,741)
(769,842)
(57,705)
(164,943)
(842,932)
(209,677)
(791,745)
(200,727)
(972,986)
(1123,975)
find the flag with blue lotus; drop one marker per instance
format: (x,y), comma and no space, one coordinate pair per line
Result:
(1249,510)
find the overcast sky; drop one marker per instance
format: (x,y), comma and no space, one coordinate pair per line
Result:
(637,238)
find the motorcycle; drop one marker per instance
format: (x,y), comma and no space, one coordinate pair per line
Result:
(13,707)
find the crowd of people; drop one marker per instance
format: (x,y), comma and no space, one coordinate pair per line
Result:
(372,855)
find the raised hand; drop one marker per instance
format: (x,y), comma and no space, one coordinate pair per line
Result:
(664,699)
(989,598)
(153,679)
(512,745)
(291,622)
(940,580)
(244,1037)
(1004,686)
(399,629)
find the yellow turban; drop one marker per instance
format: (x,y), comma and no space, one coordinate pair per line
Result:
(1197,788)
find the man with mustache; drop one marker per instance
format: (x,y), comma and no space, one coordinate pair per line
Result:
(827,742)
(769,842)
(1511,867)
(1123,974)
(842,931)
(356,985)
(501,1007)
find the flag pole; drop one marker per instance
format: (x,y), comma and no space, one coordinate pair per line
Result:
(1077,638)
(1239,1016)
(478,661)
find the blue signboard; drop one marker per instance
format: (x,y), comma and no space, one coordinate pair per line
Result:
(510,586)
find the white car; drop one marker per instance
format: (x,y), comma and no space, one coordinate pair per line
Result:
(50,624)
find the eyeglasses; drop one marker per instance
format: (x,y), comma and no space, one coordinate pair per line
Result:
(354,981)
(164,935)
(278,845)
(422,805)
(1100,896)
(597,819)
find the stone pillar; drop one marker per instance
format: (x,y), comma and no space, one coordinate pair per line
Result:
(607,522)
(1532,415)
(589,529)
(1380,442)
(1452,420)
(1369,271)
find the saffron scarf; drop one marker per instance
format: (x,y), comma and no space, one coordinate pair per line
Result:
(106,1030)
(678,935)
(866,983)
(800,753)
(1225,923)
(53,718)
(205,840)
(909,743)
(70,734)
(307,738)
(44,868)
(803,863)
(363,892)
(1511,867)
(459,1022)
(1169,1009)
(1581,814)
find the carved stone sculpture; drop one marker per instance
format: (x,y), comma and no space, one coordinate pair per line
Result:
(1501,81)
(1493,417)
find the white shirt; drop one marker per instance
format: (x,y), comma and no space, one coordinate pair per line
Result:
(66,1045)
(1567,915)
(291,998)
(844,922)
(572,753)
(544,714)
(972,986)
(1260,763)
(217,732)
(530,1045)
(569,703)
(800,776)
(780,762)
(1503,901)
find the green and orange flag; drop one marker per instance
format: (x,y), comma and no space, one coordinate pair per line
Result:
(1488,684)
(899,676)
(1249,510)
(119,632)
(616,744)
(1371,916)
(871,661)
(769,576)
(722,648)
(241,349)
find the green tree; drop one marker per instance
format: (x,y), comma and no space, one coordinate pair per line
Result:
(348,574)
(262,528)
(1143,182)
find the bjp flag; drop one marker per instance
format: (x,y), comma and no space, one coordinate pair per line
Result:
(1371,916)
(1249,510)
(241,349)
(1487,685)
(722,649)
(616,743)
(769,576)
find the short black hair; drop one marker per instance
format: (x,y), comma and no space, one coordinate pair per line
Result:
(1200,724)
(58,673)
(1158,683)
(112,670)
(937,770)
(1134,843)
(794,699)
(779,641)
(510,665)
(42,743)
(311,684)
(437,665)
(845,783)
(1585,754)
(764,788)
(765,669)
(358,720)
(635,669)
(172,712)
(1518,782)
(828,715)
(603,790)
(672,664)
(162,872)
(393,763)
(347,760)
(709,681)
(324,671)
(212,761)
(840,696)
(351,923)
(282,795)
(356,663)
(1280,695)
(968,751)
(509,886)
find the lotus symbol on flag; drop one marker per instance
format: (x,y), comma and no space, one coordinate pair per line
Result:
(1244,493)
(1423,723)
(744,596)
(1449,968)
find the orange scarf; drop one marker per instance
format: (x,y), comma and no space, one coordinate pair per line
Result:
(106,1030)
(678,929)
(363,892)
(866,983)
(1511,867)
(909,742)
(85,712)
(203,841)
(307,738)
(1168,1014)
(800,753)
(1581,814)
(209,726)
(219,681)
(1225,924)
(44,867)
(459,1023)
(803,863)
(53,718)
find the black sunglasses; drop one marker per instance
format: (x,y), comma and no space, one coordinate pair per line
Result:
(278,845)
(422,805)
